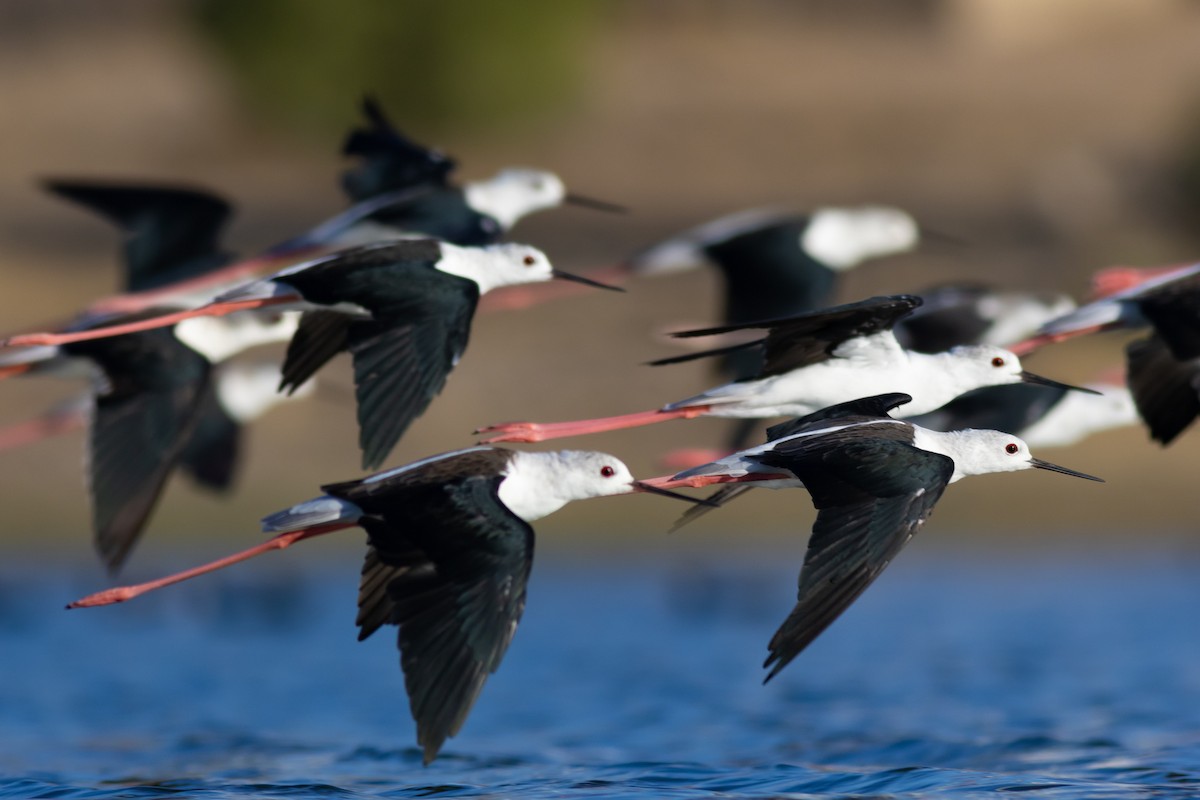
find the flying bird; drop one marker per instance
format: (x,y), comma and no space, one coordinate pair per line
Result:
(874,481)
(402,309)
(449,551)
(812,361)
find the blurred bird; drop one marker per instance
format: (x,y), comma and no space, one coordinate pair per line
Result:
(449,552)
(874,481)
(1163,369)
(956,314)
(815,360)
(1044,416)
(402,189)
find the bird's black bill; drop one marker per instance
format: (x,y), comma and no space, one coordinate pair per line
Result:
(1037,462)
(591,202)
(700,501)
(1038,380)
(938,237)
(568,276)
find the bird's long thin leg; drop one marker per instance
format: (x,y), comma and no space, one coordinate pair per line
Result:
(1111,280)
(120,594)
(49,424)
(541,431)
(1038,341)
(210,310)
(700,481)
(233,273)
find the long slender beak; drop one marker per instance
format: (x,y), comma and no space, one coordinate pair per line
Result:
(1038,380)
(938,237)
(1037,462)
(570,276)
(590,202)
(646,487)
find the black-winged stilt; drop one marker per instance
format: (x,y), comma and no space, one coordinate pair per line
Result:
(402,309)
(812,361)
(448,557)
(874,481)
(955,314)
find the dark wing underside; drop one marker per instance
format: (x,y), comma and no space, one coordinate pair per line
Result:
(419,326)
(1011,408)
(212,453)
(808,338)
(1174,311)
(949,317)
(172,231)
(1164,389)
(140,428)
(320,336)
(449,565)
(872,496)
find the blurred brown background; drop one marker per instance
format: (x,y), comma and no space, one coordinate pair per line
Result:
(1054,137)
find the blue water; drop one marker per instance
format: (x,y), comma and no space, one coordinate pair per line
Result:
(1059,673)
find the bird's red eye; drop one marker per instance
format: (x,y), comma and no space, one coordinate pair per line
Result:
(530,261)
(1011,448)
(997,362)
(607,472)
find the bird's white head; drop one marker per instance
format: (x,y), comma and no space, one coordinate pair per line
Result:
(537,484)
(496,265)
(978,452)
(974,366)
(513,193)
(842,238)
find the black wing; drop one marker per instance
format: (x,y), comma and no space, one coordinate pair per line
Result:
(320,336)
(212,452)
(173,232)
(949,317)
(1166,391)
(1174,311)
(1012,408)
(872,496)
(810,338)
(390,160)
(142,422)
(419,326)
(854,412)
(448,564)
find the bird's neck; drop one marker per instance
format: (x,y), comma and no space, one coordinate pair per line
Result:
(952,444)
(531,487)
(473,263)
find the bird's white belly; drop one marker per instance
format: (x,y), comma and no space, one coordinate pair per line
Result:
(809,389)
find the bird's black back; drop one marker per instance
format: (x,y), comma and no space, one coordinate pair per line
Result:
(443,213)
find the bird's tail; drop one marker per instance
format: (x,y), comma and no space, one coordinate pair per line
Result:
(319,511)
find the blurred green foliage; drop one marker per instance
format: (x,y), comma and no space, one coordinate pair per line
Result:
(435,64)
